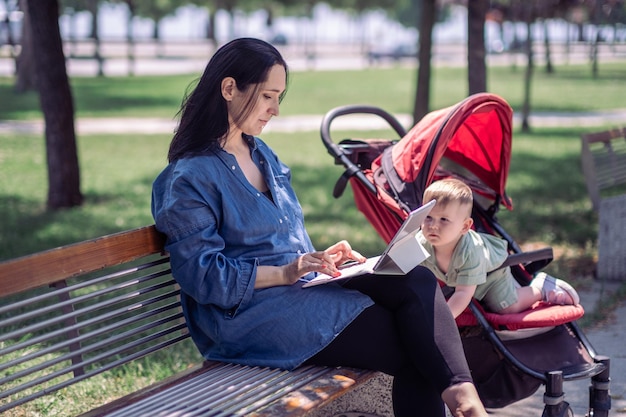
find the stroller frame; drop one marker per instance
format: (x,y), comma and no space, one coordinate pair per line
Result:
(356,156)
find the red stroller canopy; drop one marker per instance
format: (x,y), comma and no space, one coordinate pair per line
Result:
(475,134)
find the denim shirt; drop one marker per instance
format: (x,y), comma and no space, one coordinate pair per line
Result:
(219,228)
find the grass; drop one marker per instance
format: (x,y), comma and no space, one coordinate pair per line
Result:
(106,387)
(570,89)
(546,183)
(551,208)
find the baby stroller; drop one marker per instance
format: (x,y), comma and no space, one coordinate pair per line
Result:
(472,141)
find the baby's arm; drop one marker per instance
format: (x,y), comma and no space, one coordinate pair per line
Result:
(461,298)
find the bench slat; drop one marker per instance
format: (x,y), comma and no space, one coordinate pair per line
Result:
(215,389)
(54,265)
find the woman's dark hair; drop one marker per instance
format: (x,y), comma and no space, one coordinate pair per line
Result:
(203,114)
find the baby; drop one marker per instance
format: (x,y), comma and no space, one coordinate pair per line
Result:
(469,261)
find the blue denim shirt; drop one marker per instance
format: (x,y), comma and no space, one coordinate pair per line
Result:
(219,228)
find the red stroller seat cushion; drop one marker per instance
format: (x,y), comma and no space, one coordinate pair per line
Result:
(539,315)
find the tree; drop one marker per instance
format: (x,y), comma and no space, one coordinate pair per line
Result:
(157,11)
(25,78)
(210,27)
(476,66)
(361,7)
(93,6)
(229,6)
(422,94)
(71,8)
(528,74)
(10,8)
(57,105)
(130,36)
(547,47)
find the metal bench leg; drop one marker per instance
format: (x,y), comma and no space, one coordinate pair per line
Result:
(599,398)
(555,406)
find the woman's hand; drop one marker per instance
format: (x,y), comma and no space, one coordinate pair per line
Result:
(341,252)
(326,262)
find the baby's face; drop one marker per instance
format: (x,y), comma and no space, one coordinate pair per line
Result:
(445,224)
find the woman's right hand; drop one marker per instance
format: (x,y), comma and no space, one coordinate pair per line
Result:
(341,252)
(271,276)
(326,262)
(319,261)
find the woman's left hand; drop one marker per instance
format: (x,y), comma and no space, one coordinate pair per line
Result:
(341,252)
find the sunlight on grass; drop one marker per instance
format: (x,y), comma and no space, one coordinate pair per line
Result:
(552,207)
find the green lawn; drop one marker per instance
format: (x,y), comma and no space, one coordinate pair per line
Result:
(545,181)
(551,208)
(570,89)
(117,170)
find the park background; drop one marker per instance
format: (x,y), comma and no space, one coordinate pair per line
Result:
(124,124)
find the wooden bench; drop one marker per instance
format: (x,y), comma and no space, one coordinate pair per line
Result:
(74,312)
(604,166)
(604,163)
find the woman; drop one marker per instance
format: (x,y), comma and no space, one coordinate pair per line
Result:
(240,252)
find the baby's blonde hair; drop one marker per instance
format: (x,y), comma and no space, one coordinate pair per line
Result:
(450,190)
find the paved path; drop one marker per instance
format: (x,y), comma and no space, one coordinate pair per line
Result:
(86,126)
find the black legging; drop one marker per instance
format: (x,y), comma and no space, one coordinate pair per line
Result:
(410,334)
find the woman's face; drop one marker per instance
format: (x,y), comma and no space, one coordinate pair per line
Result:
(265,103)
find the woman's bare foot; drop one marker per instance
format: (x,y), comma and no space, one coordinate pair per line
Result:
(463,401)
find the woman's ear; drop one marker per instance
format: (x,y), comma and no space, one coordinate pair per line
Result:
(228,88)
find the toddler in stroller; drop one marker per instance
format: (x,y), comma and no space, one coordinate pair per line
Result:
(469,261)
(471,141)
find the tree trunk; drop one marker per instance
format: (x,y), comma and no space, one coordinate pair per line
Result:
(529,71)
(597,20)
(476,67)
(568,42)
(156,36)
(594,52)
(546,44)
(57,105)
(130,37)
(581,32)
(210,28)
(10,38)
(26,79)
(422,95)
(95,34)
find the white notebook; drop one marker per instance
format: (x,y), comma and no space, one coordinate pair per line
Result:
(402,254)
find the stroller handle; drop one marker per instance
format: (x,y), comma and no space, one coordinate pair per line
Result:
(338,153)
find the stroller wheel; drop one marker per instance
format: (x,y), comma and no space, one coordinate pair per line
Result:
(561,410)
